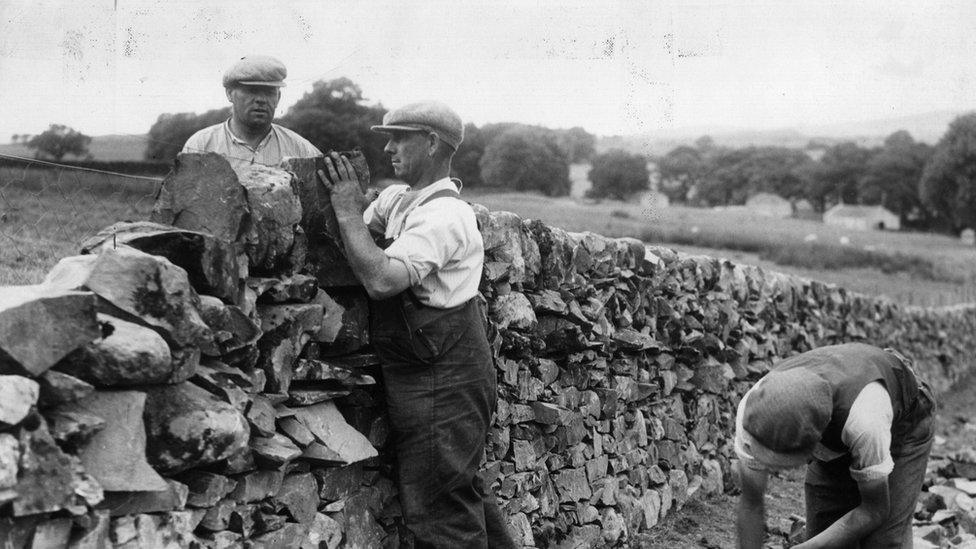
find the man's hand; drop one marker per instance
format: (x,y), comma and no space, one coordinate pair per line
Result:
(343,186)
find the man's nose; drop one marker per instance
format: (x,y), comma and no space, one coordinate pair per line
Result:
(389,148)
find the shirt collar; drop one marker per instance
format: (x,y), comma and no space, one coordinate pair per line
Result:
(239,141)
(439,185)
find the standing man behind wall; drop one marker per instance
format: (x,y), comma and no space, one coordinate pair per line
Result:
(253,87)
(428,325)
(861,421)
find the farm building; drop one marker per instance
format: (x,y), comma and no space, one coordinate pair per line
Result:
(769,205)
(862,217)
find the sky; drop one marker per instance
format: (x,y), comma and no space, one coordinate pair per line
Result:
(614,67)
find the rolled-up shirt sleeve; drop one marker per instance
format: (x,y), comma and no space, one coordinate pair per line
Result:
(867,432)
(745,457)
(427,243)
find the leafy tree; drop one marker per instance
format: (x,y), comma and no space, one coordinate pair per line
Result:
(525,158)
(948,185)
(465,165)
(679,172)
(578,144)
(893,175)
(170,131)
(836,176)
(57,141)
(618,174)
(336,116)
(727,179)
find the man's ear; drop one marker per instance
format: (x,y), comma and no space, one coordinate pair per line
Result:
(433,143)
(228,91)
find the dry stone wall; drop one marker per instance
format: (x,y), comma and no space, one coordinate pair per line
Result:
(205,378)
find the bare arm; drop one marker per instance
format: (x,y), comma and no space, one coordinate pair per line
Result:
(857,523)
(751,518)
(381,276)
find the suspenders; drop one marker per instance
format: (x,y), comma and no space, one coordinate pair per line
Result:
(404,208)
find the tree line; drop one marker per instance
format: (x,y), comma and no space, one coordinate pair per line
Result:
(505,156)
(928,187)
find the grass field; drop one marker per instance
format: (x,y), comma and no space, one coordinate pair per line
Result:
(45,214)
(923,269)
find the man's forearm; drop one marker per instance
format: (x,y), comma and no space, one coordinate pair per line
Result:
(368,262)
(848,530)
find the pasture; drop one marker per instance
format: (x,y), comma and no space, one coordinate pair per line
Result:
(46,213)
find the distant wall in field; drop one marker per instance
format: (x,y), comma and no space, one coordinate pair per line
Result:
(619,368)
(128,167)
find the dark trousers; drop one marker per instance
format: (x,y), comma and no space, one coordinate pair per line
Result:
(831,492)
(440,390)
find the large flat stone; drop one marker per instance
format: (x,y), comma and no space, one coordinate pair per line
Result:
(211,263)
(275,214)
(130,354)
(203,194)
(326,259)
(39,325)
(334,433)
(116,455)
(147,288)
(188,427)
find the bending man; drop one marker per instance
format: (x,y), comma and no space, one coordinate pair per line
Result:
(862,420)
(428,326)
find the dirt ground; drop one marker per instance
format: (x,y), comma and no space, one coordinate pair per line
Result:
(710,523)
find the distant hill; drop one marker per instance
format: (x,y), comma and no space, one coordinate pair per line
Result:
(927,127)
(103,147)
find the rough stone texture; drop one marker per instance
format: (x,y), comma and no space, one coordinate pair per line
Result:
(325,255)
(17,396)
(345,323)
(146,287)
(275,213)
(188,427)
(203,194)
(116,455)
(338,441)
(73,428)
(60,388)
(211,263)
(9,466)
(39,325)
(232,328)
(129,354)
(206,489)
(298,288)
(299,495)
(172,498)
(45,481)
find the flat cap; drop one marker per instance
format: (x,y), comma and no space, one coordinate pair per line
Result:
(788,410)
(256,70)
(430,116)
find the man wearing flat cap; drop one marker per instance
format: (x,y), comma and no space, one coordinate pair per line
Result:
(428,325)
(253,87)
(862,421)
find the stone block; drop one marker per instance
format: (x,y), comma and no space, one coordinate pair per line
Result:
(60,388)
(188,427)
(343,443)
(211,263)
(326,259)
(299,495)
(45,480)
(128,354)
(232,328)
(203,194)
(39,325)
(275,213)
(116,455)
(205,489)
